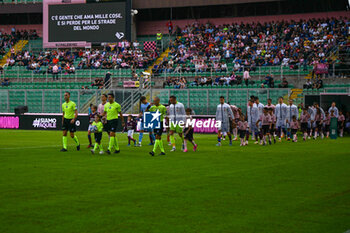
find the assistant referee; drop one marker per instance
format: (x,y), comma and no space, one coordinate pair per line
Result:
(112,109)
(69,116)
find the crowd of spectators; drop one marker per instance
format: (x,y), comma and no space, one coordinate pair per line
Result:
(8,40)
(99,83)
(313,84)
(220,80)
(178,83)
(208,47)
(224,79)
(122,55)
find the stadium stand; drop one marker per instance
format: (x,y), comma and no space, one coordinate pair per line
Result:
(267,59)
(293,47)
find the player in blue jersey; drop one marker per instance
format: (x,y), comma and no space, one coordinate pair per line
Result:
(144,107)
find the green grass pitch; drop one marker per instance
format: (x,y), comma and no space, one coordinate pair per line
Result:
(287,187)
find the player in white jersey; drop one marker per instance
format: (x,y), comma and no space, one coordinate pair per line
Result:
(334,109)
(280,113)
(292,110)
(223,114)
(253,117)
(176,115)
(260,107)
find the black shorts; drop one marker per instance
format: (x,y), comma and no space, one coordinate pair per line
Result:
(304,127)
(159,131)
(242,133)
(326,128)
(98,137)
(294,131)
(265,129)
(189,135)
(111,125)
(318,125)
(340,125)
(272,130)
(67,125)
(105,127)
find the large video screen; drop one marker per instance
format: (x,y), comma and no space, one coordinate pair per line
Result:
(90,22)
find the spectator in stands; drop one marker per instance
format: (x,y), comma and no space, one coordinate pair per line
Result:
(308,84)
(11,61)
(33,34)
(284,83)
(318,84)
(136,44)
(209,81)
(5,82)
(49,69)
(217,81)
(107,79)
(203,81)
(195,82)
(246,77)
(233,79)
(167,82)
(237,67)
(226,80)
(183,83)
(239,80)
(71,69)
(268,81)
(98,83)
(36,67)
(169,25)
(55,71)
(223,67)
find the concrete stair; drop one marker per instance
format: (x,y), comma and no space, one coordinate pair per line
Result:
(297,95)
(17,47)
(93,100)
(159,60)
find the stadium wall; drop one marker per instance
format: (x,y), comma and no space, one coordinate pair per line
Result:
(152,27)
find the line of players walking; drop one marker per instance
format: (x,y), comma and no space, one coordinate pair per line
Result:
(268,122)
(175,112)
(262,122)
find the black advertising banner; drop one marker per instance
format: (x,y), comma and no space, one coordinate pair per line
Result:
(49,122)
(93,22)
